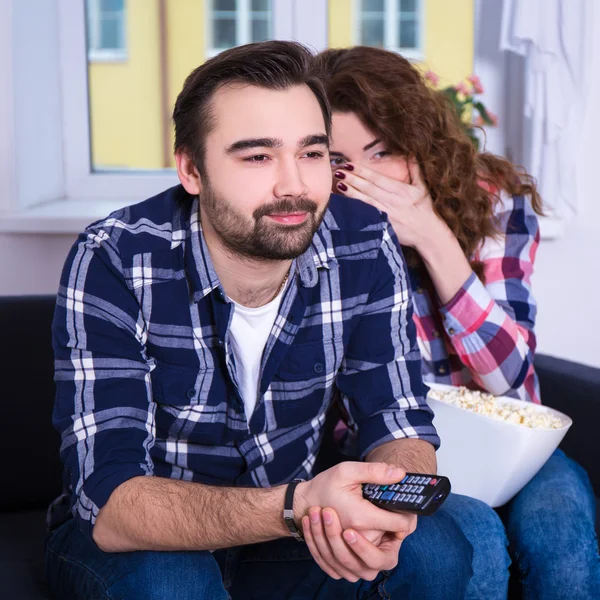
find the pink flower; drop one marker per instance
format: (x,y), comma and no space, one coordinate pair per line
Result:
(476,83)
(432,78)
(479,122)
(461,88)
(493,118)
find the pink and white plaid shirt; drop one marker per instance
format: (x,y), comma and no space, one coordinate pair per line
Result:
(483,338)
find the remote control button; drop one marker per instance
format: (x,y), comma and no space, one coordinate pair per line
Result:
(422,480)
(419,489)
(397,497)
(383,488)
(420,499)
(412,498)
(405,479)
(427,480)
(403,498)
(433,482)
(387,495)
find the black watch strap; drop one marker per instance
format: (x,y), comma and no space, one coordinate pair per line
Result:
(288,510)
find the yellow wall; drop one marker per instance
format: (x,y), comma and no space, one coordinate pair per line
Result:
(186,44)
(125,97)
(449,38)
(448,35)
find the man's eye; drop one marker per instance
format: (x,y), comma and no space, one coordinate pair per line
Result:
(257,158)
(314,155)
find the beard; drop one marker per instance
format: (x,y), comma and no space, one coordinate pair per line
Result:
(262,238)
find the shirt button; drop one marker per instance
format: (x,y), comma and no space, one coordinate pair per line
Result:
(451,330)
(318,368)
(442,370)
(220,342)
(190,393)
(419,290)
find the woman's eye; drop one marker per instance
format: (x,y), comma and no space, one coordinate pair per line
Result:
(381,154)
(336,161)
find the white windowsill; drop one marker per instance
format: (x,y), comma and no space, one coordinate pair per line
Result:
(73,216)
(58,216)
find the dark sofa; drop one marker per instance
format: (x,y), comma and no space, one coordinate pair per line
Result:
(31,471)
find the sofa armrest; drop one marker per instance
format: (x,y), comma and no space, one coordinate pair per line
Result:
(574,389)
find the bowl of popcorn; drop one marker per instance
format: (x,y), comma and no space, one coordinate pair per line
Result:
(492,446)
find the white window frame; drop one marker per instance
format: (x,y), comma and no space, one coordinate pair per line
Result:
(243,29)
(391,10)
(95,52)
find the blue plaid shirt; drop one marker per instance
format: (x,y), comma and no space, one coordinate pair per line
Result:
(146,377)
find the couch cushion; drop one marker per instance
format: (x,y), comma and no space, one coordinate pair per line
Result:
(29,445)
(574,389)
(22,537)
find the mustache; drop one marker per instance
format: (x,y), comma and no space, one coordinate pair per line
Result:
(286,205)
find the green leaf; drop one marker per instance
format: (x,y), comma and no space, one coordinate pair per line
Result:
(484,113)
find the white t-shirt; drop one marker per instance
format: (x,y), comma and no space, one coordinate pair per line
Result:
(248,334)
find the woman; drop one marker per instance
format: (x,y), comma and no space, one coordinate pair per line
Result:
(468,225)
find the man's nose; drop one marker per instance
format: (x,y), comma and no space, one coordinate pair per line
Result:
(289,180)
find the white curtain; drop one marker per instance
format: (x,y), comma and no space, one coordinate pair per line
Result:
(555,38)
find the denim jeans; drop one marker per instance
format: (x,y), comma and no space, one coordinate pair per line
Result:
(278,570)
(549,530)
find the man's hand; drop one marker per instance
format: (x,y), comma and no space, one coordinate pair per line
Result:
(341,488)
(347,553)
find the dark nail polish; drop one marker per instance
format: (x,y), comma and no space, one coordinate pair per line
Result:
(348,167)
(339,175)
(342,186)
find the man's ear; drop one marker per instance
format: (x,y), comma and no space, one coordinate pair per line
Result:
(188,173)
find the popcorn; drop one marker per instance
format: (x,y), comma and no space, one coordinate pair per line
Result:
(490,406)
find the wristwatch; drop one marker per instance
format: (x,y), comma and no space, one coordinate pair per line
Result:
(288,510)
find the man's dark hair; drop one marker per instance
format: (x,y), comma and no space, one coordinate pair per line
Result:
(275,65)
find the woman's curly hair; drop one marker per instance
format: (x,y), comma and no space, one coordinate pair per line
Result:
(391,98)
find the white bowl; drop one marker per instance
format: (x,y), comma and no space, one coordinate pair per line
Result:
(488,459)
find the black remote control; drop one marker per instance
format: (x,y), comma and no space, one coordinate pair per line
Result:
(416,493)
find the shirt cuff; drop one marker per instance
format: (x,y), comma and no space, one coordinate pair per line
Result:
(469,308)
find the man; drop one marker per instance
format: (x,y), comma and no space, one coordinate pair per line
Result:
(200,337)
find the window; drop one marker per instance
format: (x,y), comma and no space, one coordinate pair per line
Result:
(392,24)
(106,30)
(236,22)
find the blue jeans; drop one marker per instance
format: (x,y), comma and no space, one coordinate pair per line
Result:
(283,569)
(549,530)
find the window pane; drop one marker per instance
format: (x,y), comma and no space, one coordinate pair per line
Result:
(408,5)
(110,34)
(408,33)
(372,6)
(224,33)
(261,5)
(224,5)
(372,32)
(260,30)
(111,5)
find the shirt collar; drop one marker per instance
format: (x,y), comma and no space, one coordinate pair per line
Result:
(204,279)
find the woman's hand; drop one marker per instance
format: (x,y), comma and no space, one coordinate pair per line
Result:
(408,204)
(410,210)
